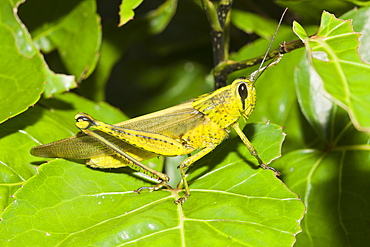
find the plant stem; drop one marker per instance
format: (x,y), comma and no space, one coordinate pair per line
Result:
(226,67)
(218,18)
(218,21)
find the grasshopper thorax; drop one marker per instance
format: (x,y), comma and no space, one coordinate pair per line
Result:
(226,105)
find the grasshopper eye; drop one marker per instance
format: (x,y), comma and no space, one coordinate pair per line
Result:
(83,119)
(243,91)
(84,122)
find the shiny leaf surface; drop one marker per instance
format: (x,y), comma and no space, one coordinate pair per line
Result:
(72,27)
(335,59)
(330,173)
(100,206)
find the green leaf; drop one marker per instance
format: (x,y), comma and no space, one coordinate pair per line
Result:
(335,59)
(40,125)
(116,43)
(235,204)
(312,98)
(267,133)
(329,173)
(158,19)
(72,27)
(22,76)
(253,23)
(360,19)
(359,2)
(57,83)
(27,65)
(161,17)
(126,12)
(299,31)
(311,10)
(333,184)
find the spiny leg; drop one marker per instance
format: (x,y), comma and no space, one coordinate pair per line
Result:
(252,150)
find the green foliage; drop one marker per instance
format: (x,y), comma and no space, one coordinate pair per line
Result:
(127,11)
(67,25)
(99,208)
(162,57)
(335,59)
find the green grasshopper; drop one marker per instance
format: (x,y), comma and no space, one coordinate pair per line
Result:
(198,124)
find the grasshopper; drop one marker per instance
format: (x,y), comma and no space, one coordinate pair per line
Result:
(198,124)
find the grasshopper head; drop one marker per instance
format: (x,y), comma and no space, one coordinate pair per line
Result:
(245,95)
(225,105)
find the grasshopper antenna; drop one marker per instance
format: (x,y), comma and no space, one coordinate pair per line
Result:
(256,74)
